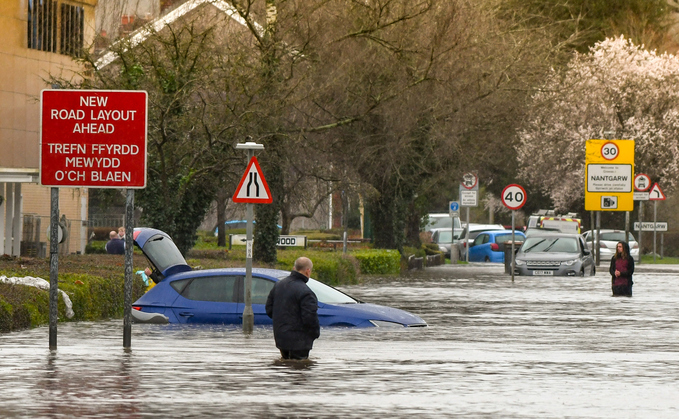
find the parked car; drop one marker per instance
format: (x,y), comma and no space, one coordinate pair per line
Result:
(185,295)
(608,242)
(444,238)
(489,246)
(469,234)
(440,220)
(554,254)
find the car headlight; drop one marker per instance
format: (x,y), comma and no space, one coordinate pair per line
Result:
(382,323)
(519,262)
(569,262)
(442,249)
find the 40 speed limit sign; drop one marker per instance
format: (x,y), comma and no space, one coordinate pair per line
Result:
(513,196)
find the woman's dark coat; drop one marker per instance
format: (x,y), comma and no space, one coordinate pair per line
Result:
(294,310)
(630,266)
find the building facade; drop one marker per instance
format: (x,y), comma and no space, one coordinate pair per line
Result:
(41,37)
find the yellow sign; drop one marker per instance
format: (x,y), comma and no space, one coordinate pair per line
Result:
(609,175)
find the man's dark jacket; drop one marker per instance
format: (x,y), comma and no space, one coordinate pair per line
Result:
(115,247)
(294,310)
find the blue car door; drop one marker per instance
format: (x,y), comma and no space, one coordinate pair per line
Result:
(259,293)
(208,299)
(479,250)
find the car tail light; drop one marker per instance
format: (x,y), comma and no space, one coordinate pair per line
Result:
(603,245)
(138,308)
(464,244)
(494,246)
(636,246)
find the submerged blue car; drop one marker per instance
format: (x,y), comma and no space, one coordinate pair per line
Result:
(216,296)
(489,246)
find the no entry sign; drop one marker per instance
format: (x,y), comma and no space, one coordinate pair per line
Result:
(93,138)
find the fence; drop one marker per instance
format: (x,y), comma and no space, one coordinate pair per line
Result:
(75,233)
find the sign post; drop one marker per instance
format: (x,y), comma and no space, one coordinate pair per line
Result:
(252,189)
(454,211)
(92,139)
(469,197)
(656,194)
(513,197)
(642,183)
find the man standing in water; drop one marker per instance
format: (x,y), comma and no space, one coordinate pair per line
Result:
(294,310)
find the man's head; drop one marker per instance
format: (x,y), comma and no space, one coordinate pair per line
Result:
(304,265)
(113,235)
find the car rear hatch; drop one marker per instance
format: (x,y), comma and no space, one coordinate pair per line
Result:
(161,251)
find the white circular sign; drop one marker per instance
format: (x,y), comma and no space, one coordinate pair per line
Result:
(642,182)
(469,180)
(513,196)
(610,151)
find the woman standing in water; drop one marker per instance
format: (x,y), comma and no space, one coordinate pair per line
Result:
(622,268)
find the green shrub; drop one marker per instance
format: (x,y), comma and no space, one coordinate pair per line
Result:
(378,262)
(331,268)
(95,247)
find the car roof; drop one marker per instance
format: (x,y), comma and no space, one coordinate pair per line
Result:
(558,235)
(505,231)
(474,227)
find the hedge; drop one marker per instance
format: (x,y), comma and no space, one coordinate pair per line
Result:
(93,298)
(378,262)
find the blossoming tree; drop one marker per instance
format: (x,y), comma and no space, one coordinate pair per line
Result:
(617,87)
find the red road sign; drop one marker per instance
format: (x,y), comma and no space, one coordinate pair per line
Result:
(642,182)
(93,138)
(656,194)
(513,196)
(253,188)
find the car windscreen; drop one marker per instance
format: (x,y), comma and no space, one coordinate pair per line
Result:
(616,236)
(163,252)
(501,238)
(445,236)
(550,245)
(327,294)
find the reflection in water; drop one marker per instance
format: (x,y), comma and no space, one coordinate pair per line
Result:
(533,348)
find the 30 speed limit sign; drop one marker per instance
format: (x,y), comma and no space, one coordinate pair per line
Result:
(513,196)
(610,151)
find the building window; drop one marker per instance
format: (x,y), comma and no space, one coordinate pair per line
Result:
(72,25)
(47,24)
(42,25)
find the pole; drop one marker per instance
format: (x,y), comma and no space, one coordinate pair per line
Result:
(466,243)
(662,245)
(512,265)
(598,235)
(641,217)
(54,266)
(627,226)
(248,315)
(129,249)
(655,216)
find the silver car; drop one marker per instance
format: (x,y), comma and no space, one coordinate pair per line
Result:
(609,240)
(555,254)
(443,237)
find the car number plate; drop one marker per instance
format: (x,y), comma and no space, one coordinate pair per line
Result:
(543,273)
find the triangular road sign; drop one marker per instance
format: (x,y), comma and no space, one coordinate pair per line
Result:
(656,194)
(253,188)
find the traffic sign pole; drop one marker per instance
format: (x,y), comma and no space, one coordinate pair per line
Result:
(513,197)
(655,228)
(249,199)
(641,213)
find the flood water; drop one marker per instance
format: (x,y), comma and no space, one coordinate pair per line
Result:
(535,348)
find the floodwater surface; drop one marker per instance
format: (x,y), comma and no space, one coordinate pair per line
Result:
(535,348)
